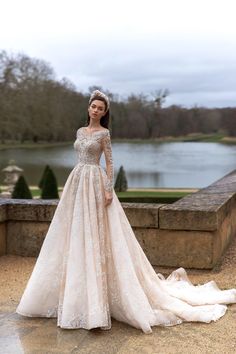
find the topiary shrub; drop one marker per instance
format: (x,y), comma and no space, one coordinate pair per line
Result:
(21,189)
(41,182)
(49,187)
(121,183)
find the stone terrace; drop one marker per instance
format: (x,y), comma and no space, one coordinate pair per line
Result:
(193,232)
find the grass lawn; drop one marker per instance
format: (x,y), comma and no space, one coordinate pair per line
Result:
(129,195)
(151,196)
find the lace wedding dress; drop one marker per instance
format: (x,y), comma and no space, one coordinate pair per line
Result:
(91,267)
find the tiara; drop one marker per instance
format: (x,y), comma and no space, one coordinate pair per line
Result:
(98,93)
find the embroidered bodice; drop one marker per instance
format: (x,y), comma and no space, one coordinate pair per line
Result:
(90,146)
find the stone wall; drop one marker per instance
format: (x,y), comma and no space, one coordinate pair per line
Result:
(192,232)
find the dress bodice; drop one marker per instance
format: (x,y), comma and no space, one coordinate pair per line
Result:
(89,148)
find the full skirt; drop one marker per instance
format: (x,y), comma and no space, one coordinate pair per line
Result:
(91,268)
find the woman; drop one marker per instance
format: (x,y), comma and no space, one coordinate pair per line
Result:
(91,267)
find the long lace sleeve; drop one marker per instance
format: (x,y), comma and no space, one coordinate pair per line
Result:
(107,149)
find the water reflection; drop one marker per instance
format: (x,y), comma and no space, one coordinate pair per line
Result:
(180,164)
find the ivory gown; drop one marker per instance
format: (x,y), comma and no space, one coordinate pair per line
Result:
(91,266)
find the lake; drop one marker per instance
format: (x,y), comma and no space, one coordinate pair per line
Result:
(163,165)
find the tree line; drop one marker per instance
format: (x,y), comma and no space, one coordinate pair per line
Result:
(36,106)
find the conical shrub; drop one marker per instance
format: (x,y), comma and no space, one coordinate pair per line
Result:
(49,187)
(21,189)
(121,183)
(41,182)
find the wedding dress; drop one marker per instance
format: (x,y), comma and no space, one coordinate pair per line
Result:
(91,266)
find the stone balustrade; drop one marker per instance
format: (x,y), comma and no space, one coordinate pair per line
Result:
(192,232)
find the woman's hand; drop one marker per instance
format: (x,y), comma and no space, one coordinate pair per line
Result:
(108,198)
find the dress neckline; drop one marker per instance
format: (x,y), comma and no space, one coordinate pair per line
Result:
(95,131)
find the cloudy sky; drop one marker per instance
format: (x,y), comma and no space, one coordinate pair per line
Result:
(128,46)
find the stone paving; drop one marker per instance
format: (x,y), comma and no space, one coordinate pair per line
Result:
(42,336)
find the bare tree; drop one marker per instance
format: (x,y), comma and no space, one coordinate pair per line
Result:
(160,97)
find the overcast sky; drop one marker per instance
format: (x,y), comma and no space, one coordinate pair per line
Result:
(129,46)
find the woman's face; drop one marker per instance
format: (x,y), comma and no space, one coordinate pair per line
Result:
(96,110)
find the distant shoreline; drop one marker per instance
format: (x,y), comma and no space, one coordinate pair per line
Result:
(209,138)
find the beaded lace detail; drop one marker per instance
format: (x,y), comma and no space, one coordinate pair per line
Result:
(90,147)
